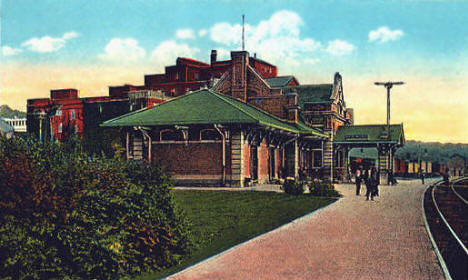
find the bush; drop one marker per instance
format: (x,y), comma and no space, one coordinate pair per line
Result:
(66,214)
(322,188)
(293,187)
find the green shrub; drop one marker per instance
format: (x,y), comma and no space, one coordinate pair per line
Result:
(293,187)
(322,188)
(66,214)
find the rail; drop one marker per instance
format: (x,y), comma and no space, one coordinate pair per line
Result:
(455,191)
(445,220)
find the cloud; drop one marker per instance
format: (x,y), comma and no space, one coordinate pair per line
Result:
(202,32)
(47,44)
(167,52)
(9,51)
(185,33)
(276,39)
(223,54)
(123,49)
(339,47)
(384,34)
(70,35)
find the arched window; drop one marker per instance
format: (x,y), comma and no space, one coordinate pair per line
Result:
(60,128)
(171,135)
(209,134)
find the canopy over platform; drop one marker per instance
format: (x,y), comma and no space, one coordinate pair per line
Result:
(370,135)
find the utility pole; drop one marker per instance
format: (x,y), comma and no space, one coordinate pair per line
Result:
(243,39)
(389,86)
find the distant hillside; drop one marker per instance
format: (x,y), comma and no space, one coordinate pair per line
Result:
(433,151)
(7,112)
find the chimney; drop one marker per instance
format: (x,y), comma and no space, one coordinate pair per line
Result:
(255,55)
(69,93)
(240,61)
(213,56)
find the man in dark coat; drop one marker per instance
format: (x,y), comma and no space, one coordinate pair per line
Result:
(372,184)
(358,180)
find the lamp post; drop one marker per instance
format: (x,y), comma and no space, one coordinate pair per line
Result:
(388,86)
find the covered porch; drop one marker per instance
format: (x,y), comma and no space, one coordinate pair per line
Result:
(385,139)
(208,139)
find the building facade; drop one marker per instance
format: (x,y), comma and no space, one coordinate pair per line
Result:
(277,129)
(65,113)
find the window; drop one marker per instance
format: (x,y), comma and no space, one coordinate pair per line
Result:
(177,76)
(196,76)
(72,114)
(317,158)
(171,135)
(209,134)
(58,112)
(60,128)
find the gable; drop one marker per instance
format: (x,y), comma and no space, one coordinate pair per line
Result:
(282,81)
(311,94)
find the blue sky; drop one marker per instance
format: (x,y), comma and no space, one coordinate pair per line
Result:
(94,44)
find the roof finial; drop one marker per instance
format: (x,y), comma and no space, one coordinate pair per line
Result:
(243,40)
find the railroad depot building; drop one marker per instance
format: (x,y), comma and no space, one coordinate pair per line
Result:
(250,128)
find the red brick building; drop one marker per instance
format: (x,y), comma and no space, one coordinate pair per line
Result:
(66,113)
(189,74)
(247,127)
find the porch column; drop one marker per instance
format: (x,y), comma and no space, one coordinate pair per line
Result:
(328,159)
(137,145)
(296,158)
(383,164)
(237,159)
(347,175)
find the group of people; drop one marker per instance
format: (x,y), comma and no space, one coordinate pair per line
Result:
(371,180)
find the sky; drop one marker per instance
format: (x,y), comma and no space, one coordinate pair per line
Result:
(91,45)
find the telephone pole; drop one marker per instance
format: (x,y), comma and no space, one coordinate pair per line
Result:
(243,38)
(389,86)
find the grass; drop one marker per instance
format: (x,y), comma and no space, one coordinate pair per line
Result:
(222,219)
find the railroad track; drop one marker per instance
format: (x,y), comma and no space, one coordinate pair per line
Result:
(446,218)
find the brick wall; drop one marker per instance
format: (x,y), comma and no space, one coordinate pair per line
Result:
(198,158)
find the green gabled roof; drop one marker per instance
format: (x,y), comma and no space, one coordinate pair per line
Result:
(311,93)
(205,107)
(369,133)
(280,81)
(371,153)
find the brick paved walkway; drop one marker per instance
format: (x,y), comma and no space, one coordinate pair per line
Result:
(351,239)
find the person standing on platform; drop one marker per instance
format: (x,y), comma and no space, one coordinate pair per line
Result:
(372,185)
(367,181)
(421,175)
(358,180)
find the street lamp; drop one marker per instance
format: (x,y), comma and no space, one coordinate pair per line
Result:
(388,86)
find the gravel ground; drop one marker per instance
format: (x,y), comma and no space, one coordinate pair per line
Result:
(351,239)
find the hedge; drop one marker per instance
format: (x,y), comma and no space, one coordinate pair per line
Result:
(69,215)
